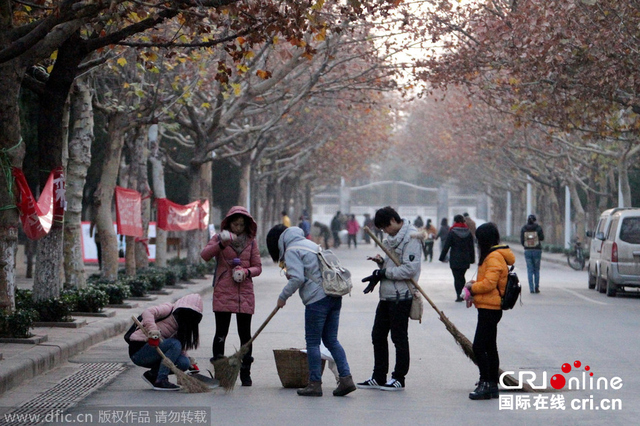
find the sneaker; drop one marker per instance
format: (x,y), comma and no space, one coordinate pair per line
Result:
(165,385)
(537,290)
(392,385)
(149,377)
(368,384)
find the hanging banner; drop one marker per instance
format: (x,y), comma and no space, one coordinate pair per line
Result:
(176,217)
(37,217)
(129,212)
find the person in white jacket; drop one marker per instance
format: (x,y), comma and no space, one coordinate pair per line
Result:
(396,294)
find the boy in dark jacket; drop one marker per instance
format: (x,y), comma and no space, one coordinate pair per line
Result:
(531,236)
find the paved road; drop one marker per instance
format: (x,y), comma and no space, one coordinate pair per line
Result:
(564,323)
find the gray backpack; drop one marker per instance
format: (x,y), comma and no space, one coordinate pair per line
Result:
(336,279)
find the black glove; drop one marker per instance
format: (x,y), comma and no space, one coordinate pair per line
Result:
(374,279)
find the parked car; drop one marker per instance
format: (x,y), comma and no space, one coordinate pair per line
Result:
(619,256)
(595,248)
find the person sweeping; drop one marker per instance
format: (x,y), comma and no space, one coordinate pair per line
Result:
(174,327)
(322,313)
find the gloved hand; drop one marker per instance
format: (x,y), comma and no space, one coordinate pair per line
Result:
(239,274)
(374,279)
(466,293)
(154,338)
(226,237)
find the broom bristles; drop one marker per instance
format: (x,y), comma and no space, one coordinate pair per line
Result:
(189,384)
(228,368)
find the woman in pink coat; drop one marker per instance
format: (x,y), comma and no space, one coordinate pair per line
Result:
(238,262)
(352,230)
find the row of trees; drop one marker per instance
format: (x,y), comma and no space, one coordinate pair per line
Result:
(275,86)
(531,91)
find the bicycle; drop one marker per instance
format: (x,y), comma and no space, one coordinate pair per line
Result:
(575,256)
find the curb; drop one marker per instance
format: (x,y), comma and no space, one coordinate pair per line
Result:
(48,355)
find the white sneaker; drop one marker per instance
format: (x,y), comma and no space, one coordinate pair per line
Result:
(392,385)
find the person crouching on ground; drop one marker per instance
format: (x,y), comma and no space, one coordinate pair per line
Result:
(486,291)
(238,257)
(322,313)
(174,327)
(396,294)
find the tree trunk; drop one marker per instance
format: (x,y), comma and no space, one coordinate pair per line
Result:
(48,277)
(623,181)
(141,167)
(103,198)
(79,162)
(11,155)
(579,214)
(156,158)
(245,181)
(200,188)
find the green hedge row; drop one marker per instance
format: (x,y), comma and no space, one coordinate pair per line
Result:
(98,294)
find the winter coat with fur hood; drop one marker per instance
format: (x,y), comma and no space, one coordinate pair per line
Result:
(492,274)
(407,246)
(229,296)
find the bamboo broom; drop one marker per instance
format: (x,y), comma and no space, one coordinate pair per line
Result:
(189,384)
(461,339)
(227,368)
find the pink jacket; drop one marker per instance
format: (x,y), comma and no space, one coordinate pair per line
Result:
(152,318)
(229,296)
(353,227)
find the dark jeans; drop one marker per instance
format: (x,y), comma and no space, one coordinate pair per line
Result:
(533,257)
(352,238)
(485,347)
(427,249)
(223,319)
(149,357)
(458,280)
(336,239)
(321,322)
(391,316)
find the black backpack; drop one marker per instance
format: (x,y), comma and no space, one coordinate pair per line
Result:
(511,292)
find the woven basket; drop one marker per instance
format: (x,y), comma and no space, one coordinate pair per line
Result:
(292,366)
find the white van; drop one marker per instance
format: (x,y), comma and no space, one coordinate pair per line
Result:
(595,249)
(620,254)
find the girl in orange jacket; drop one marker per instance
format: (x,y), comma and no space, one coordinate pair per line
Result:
(486,294)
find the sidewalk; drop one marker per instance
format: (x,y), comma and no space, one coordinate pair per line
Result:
(22,361)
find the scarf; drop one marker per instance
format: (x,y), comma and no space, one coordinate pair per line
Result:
(239,243)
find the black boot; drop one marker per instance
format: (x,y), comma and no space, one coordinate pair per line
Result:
(495,392)
(483,391)
(245,372)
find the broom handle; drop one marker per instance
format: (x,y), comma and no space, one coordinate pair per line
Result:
(395,260)
(264,324)
(146,333)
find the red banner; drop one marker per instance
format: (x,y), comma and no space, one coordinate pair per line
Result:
(37,217)
(176,217)
(129,212)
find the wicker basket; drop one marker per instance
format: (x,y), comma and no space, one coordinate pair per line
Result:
(292,366)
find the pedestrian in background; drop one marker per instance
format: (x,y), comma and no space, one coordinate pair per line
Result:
(174,327)
(238,262)
(396,295)
(285,219)
(322,313)
(531,236)
(430,237)
(325,233)
(336,227)
(471,224)
(305,226)
(460,242)
(442,234)
(352,231)
(418,223)
(485,292)
(368,222)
